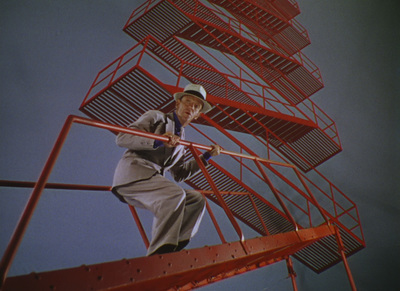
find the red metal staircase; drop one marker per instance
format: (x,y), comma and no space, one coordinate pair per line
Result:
(247,54)
(275,222)
(201,24)
(284,36)
(282,234)
(129,80)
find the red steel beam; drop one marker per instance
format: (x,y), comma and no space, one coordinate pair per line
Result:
(341,250)
(291,272)
(173,270)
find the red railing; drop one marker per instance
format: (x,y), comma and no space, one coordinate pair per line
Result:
(324,190)
(330,191)
(249,84)
(39,186)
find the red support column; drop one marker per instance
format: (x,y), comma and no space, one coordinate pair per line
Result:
(26,216)
(341,250)
(140,226)
(220,198)
(214,220)
(291,272)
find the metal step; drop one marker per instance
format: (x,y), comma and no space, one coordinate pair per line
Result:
(199,24)
(124,99)
(275,31)
(287,9)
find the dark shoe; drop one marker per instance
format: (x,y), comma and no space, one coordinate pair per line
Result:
(168,248)
(181,245)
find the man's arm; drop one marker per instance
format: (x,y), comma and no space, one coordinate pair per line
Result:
(182,171)
(148,122)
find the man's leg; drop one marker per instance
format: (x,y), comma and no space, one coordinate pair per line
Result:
(166,201)
(194,211)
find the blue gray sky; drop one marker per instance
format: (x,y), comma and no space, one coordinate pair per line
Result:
(50,52)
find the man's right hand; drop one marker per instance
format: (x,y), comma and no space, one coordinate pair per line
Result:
(173,140)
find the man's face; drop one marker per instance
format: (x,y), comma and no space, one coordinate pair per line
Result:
(188,108)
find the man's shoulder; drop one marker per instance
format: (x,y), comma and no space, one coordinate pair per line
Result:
(158,115)
(152,115)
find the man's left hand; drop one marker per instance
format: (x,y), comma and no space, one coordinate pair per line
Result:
(215,151)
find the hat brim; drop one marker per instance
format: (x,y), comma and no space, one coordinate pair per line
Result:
(206,106)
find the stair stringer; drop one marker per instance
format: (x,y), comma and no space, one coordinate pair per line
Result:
(188,268)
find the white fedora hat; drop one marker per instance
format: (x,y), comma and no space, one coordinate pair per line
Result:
(197,91)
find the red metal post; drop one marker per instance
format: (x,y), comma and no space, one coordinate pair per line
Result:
(220,199)
(341,251)
(214,220)
(311,195)
(291,272)
(32,202)
(276,194)
(140,226)
(258,214)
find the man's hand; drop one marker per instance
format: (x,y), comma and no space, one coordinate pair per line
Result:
(216,150)
(173,140)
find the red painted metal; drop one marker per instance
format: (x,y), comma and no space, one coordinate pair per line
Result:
(304,144)
(276,194)
(284,36)
(219,197)
(287,8)
(291,272)
(286,75)
(261,88)
(19,231)
(24,184)
(353,246)
(40,185)
(322,250)
(214,220)
(186,269)
(6,261)
(302,178)
(341,250)
(140,226)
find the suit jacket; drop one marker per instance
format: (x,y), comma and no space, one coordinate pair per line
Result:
(141,160)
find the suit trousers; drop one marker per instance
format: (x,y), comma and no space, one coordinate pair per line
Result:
(177,212)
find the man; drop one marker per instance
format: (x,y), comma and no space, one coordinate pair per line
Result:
(139,177)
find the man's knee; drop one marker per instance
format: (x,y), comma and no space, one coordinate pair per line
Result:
(194,197)
(201,200)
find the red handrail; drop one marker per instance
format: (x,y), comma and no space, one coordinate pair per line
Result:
(42,181)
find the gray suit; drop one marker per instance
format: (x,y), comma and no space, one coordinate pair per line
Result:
(139,180)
